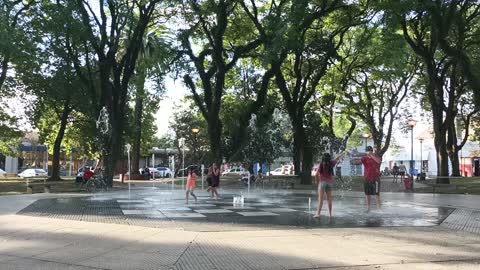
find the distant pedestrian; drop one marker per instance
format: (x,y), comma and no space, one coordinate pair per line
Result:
(215,181)
(408,182)
(401,171)
(191,179)
(209,178)
(371,163)
(325,181)
(395,172)
(87,175)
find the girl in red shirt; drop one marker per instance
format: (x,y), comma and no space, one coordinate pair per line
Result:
(324,179)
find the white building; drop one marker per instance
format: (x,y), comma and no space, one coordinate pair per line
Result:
(424,153)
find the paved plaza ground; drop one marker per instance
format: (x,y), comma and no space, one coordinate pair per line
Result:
(151,227)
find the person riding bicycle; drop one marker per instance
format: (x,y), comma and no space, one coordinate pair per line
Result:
(87,175)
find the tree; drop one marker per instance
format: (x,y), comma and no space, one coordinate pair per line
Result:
(221,34)
(377,76)
(456,23)
(9,134)
(302,44)
(115,32)
(152,65)
(423,36)
(48,73)
(14,42)
(184,119)
(14,45)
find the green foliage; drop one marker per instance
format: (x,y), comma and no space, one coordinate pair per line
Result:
(9,134)
(184,119)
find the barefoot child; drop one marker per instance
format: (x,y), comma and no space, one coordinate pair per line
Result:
(324,178)
(191,178)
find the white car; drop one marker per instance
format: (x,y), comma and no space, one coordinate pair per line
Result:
(2,173)
(33,173)
(238,171)
(277,171)
(163,172)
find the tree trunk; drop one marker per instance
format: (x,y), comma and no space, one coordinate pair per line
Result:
(453,151)
(301,152)
(214,134)
(58,142)
(442,156)
(435,94)
(115,146)
(455,161)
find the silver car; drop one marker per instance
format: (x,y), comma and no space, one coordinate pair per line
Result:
(28,173)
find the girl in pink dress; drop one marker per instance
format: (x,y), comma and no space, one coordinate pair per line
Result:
(191,178)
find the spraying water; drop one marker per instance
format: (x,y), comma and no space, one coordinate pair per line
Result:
(102,123)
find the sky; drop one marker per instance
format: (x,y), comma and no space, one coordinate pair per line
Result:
(173,97)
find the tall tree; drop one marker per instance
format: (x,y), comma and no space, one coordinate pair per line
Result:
(423,36)
(456,23)
(378,70)
(12,30)
(222,37)
(115,31)
(49,75)
(152,66)
(304,42)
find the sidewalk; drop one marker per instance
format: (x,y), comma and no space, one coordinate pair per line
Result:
(49,243)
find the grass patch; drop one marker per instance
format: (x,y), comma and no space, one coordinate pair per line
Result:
(19,186)
(469,185)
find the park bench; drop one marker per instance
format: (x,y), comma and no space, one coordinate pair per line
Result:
(46,185)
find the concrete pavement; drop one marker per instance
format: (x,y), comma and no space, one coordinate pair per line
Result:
(39,242)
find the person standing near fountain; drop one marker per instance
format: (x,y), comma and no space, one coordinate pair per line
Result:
(371,163)
(395,172)
(209,178)
(215,180)
(401,171)
(324,179)
(191,178)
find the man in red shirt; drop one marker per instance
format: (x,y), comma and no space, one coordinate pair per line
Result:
(371,163)
(87,175)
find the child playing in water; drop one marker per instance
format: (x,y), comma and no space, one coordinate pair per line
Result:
(191,178)
(324,178)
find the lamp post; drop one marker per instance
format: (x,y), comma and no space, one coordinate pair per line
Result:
(182,142)
(365,136)
(421,158)
(195,132)
(128,148)
(411,123)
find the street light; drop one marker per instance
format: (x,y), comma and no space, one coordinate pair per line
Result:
(421,158)
(365,136)
(411,123)
(195,132)
(182,143)
(128,147)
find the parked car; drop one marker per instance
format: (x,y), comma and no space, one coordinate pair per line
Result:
(235,171)
(33,173)
(2,173)
(196,168)
(163,172)
(277,171)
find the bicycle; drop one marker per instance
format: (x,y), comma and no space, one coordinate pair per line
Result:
(96,182)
